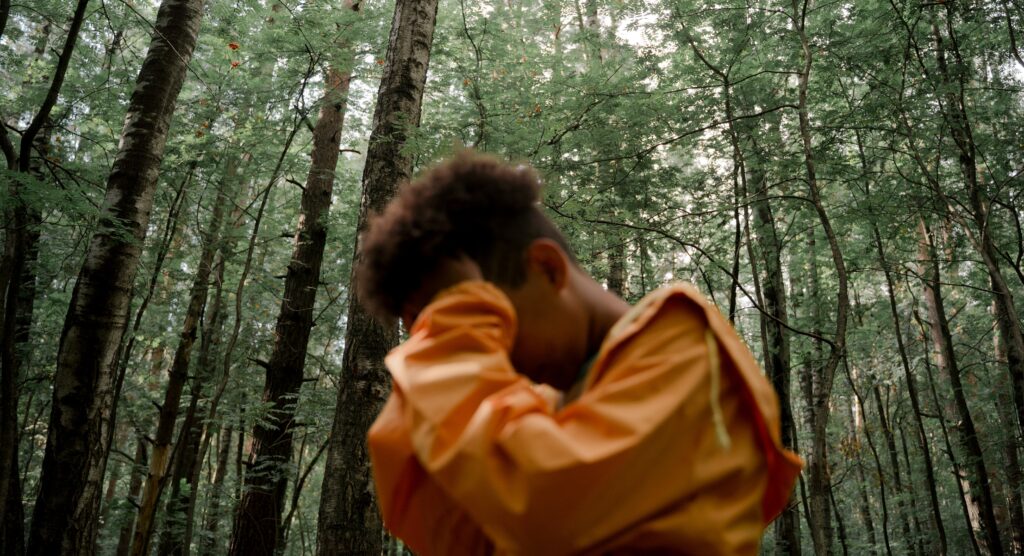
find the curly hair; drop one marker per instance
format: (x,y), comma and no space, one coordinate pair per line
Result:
(473,205)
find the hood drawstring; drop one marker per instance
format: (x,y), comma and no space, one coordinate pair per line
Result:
(716,386)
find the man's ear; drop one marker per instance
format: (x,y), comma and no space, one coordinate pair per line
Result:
(551,260)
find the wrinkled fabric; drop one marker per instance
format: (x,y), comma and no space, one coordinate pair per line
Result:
(672,446)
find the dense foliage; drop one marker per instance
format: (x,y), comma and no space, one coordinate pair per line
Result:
(844,179)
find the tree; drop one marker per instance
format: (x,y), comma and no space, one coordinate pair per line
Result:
(161,453)
(258,527)
(17,281)
(64,520)
(348,521)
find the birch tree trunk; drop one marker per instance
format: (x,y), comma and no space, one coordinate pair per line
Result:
(67,507)
(257,526)
(348,521)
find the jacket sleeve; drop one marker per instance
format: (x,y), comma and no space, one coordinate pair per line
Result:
(414,507)
(637,446)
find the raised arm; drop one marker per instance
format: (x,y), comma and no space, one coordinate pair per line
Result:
(635,460)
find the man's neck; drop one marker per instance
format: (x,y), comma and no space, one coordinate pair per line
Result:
(606,309)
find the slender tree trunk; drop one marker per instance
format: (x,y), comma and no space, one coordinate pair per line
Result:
(187,459)
(258,520)
(1010,443)
(894,463)
(161,454)
(617,268)
(348,521)
(776,348)
(64,520)
(213,511)
(300,482)
(942,339)
(176,540)
(915,403)
(818,469)
(1008,321)
(841,525)
(915,512)
(862,484)
(17,282)
(879,471)
(966,503)
(5,10)
(139,465)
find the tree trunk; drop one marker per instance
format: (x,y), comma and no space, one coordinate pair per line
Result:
(617,268)
(161,454)
(776,351)
(840,524)
(124,541)
(348,521)
(258,519)
(894,463)
(213,513)
(879,472)
(187,456)
(942,339)
(1008,320)
(864,507)
(1009,443)
(964,498)
(64,520)
(817,461)
(915,512)
(17,282)
(915,403)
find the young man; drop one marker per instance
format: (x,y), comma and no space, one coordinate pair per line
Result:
(533,412)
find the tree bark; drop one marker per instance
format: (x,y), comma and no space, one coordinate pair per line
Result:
(17,281)
(257,528)
(1009,442)
(349,522)
(190,440)
(65,516)
(879,473)
(963,497)
(894,463)
(915,512)
(942,339)
(864,507)
(5,11)
(776,350)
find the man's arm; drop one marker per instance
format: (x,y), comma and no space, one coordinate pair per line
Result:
(637,445)
(414,507)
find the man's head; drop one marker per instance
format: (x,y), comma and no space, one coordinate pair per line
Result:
(476,212)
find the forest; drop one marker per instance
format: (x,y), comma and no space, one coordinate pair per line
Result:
(185,369)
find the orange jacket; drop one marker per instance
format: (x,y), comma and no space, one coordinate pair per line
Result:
(673,445)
